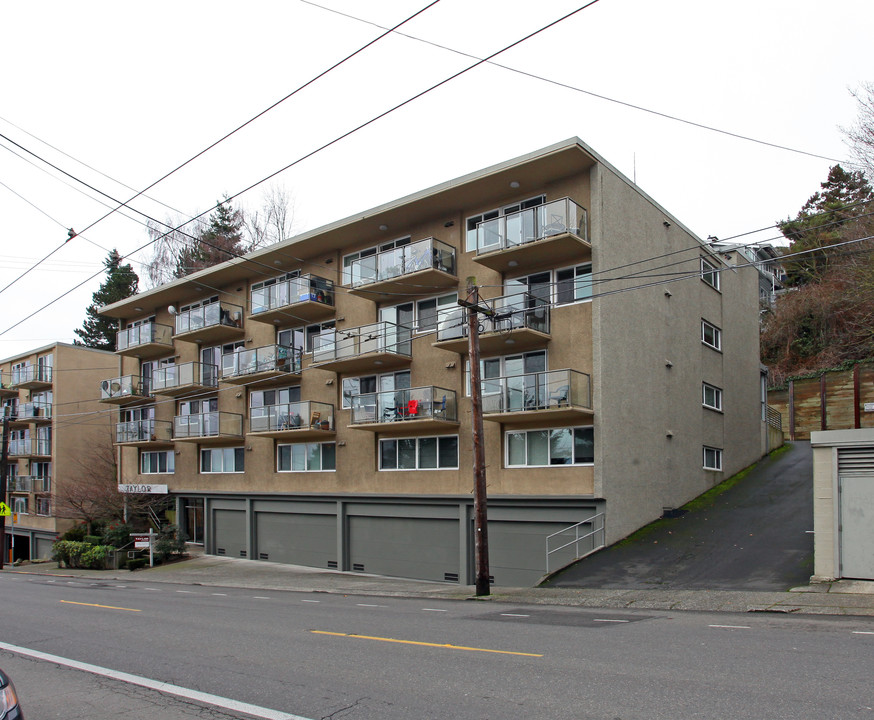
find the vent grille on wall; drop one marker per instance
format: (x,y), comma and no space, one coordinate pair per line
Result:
(450,577)
(219,551)
(332,564)
(358,567)
(242,553)
(263,556)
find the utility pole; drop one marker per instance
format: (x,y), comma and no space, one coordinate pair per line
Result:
(4,471)
(481,531)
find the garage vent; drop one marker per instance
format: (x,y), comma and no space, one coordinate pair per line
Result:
(242,553)
(332,564)
(450,577)
(263,556)
(856,461)
(358,567)
(219,551)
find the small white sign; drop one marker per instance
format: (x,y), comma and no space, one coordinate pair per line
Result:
(141,541)
(869,407)
(143,489)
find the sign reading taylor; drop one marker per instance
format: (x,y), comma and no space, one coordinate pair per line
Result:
(144,489)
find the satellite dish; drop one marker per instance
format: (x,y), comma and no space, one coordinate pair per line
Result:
(105,386)
(171,309)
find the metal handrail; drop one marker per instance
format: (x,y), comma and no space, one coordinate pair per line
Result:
(508,231)
(578,538)
(427,254)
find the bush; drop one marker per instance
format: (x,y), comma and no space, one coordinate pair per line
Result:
(93,539)
(117,535)
(136,563)
(77,532)
(79,554)
(169,544)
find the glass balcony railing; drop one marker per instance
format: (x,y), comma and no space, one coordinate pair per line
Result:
(429,254)
(379,337)
(537,391)
(35,410)
(32,375)
(33,483)
(306,288)
(143,431)
(208,316)
(146,334)
(420,403)
(292,416)
(184,376)
(30,447)
(206,425)
(509,312)
(526,226)
(127,386)
(270,358)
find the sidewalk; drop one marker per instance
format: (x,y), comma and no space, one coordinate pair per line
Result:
(843,597)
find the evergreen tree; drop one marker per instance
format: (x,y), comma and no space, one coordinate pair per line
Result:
(121,282)
(221,240)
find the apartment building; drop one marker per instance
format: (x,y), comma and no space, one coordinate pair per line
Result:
(56,432)
(309,403)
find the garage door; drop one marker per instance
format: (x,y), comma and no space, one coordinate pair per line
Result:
(229,532)
(517,552)
(297,538)
(856,479)
(421,548)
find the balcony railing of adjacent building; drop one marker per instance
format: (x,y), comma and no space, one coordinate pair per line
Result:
(554,232)
(564,394)
(380,344)
(203,427)
(34,411)
(184,377)
(268,363)
(214,321)
(33,483)
(6,388)
(298,419)
(431,260)
(428,405)
(521,320)
(32,376)
(30,447)
(125,389)
(308,297)
(146,340)
(143,432)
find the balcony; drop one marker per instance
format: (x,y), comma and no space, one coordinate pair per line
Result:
(293,421)
(30,448)
(552,234)
(555,395)
(144,433)
(124,390)
(303,299)
(268,365)
(33,483)
(211,428)
(190,377)
(381,345)
(32,377)
(32,412)
(417,409)
(414,269)
(215,322)
(515,323)
(148,340)
(6,389)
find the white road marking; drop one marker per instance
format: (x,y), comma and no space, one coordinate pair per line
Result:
(196,695)
(312,601)
(610,620)
(433,610)
(366,605)
(187,592)
(260,597)
(862,632)
(732,627)
(513,615)
(220,594)
(153,589)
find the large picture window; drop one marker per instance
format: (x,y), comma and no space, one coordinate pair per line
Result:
(306,457)
(152,463)
(223,460)
(424,453)
(545,448)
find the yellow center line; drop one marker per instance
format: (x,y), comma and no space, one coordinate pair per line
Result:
(425,644)
(107,607)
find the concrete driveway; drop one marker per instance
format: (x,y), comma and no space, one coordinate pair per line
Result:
(756,535)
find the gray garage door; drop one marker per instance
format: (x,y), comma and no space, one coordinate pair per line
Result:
(856,479)
(229,532)
(42,548)
(517,552)
(423,548)
(297,538)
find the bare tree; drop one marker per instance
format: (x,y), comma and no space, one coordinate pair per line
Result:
(168,246)
(273,222)
(860,135)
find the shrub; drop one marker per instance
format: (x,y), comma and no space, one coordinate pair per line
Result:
(136,563)
(117,535)
(93,539)
(169,544)
(77,532)
(79,554)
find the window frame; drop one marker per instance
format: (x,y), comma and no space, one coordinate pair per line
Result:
(17,501)
(418,440)
(237,449)
(716,454)
(717,394)
(717,335)
(320,445)
(377,386)
(710,274)
(549,464)
(575,283)
(155,455)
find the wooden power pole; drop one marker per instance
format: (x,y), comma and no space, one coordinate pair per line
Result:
(4,471)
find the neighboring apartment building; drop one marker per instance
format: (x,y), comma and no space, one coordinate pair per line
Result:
(309,403)
(56,430)
(766,260)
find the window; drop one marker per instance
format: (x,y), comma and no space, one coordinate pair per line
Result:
(306,457)
(712,397)
(573,284)
(19,505)
(545,448)
(426,453)
(507,366)
(152,463)
(711,335)
(136,414)
(712,458)
(43,505)
(222,460)
(472,222)
(302,338)
(277,396)
(374,383)
(357,270)
(710,273)
(430,311)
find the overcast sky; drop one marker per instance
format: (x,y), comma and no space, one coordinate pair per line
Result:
(119,93)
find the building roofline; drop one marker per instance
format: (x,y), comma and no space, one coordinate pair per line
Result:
(51,346)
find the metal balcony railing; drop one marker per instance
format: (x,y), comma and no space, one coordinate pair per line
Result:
(509,312)
(378,337)
(207,316)
(143,431)
(33,483)
(419,403)
(146,334)
(206,425)
(30,447)
(527,226)
(36,410)
(306,288)
(122,387)
(270,358)
(537,391)
(41,374)
(306,415)
(428,254)
(183,375)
